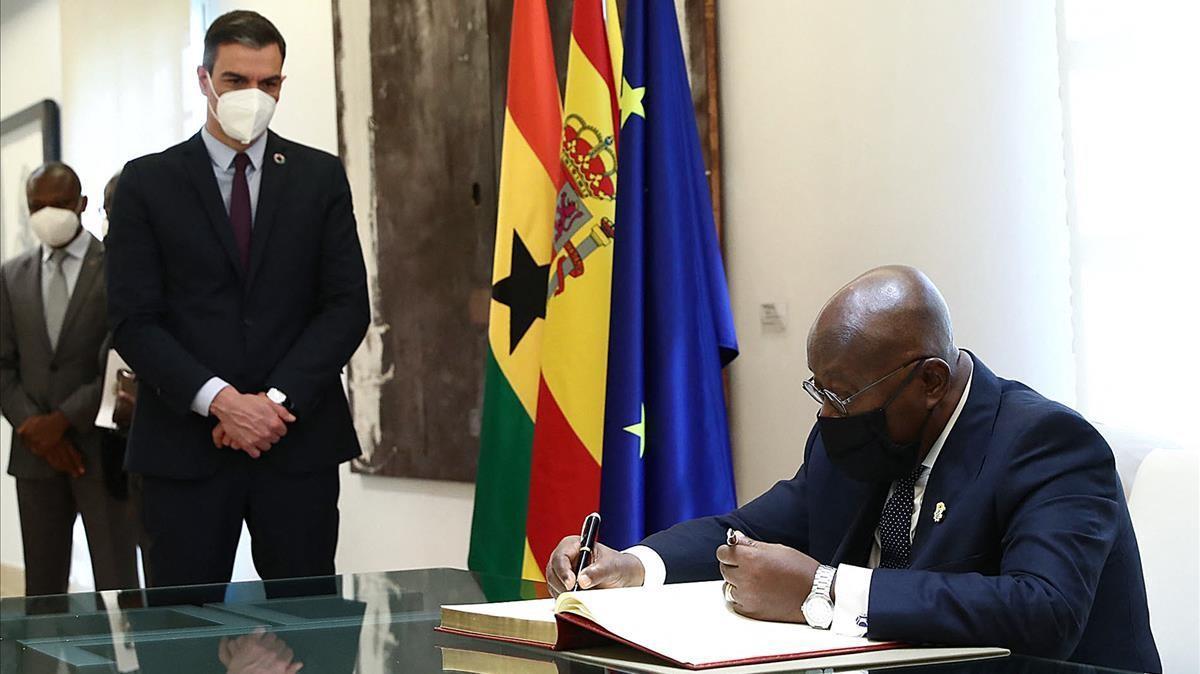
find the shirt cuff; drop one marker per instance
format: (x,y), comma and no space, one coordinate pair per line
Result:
(205,395)
(654,569)
(852,592)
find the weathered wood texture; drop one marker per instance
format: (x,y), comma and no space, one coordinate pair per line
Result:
(439,71)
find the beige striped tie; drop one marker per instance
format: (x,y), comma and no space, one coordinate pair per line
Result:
(56,297)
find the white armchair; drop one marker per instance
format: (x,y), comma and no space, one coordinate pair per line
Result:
(1165,506)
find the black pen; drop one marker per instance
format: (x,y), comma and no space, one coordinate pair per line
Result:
(591,529)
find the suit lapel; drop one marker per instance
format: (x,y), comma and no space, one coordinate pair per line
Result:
(89,272)
(961,457)
(199,166)
(270,195)
(855,548)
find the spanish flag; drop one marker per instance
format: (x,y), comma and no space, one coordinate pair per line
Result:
(568,438)
(530,178)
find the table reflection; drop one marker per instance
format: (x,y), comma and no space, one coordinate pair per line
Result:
(259,652)
(361,624)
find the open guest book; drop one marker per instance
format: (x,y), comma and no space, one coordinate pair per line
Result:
(686,624)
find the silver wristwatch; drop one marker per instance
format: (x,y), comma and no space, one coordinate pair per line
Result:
(818,608)
(279,398)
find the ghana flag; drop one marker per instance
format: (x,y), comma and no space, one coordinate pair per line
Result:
(530,178)
(564,481)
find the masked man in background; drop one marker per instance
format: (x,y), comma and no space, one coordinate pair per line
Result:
(52,326)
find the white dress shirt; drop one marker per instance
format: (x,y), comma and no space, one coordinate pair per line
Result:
(853,583)
(223,169)
(71,264)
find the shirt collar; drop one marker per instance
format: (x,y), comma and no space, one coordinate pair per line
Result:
(936,449)
(77,248)
(222,155)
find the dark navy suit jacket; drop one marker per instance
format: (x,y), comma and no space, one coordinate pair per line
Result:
(183,309)
(1035,551)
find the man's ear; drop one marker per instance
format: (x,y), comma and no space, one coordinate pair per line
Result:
(201,77)
(935,377)
(82,205)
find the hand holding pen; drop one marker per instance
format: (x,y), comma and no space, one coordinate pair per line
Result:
(603,568)
(587,544)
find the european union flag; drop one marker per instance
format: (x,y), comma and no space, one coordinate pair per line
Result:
(666,438)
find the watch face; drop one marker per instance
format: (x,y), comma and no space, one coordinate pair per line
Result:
(818,611)
(276,396)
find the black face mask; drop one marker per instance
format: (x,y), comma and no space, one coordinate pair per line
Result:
(859,444)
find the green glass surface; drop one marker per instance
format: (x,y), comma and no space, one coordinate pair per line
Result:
(360,623)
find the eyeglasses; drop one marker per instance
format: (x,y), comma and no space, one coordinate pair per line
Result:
(824,396)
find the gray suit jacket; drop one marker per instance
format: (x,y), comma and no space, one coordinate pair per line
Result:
(35,379)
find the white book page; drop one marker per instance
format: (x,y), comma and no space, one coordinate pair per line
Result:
(691,623)
(533,610)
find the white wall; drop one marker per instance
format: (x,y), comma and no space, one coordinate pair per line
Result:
(865,132)
(121,81)
(30,70)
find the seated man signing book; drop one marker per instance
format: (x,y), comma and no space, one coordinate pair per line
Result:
(937,503)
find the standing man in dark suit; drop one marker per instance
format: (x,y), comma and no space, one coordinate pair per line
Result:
(237,292)
(937,503)
(52,323)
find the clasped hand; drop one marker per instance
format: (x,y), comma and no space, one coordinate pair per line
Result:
(259,652)
(46,436)
(769,581)
(248,422)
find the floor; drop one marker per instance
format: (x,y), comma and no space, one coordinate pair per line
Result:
(12,581)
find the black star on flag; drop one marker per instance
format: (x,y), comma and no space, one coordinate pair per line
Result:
(523,292)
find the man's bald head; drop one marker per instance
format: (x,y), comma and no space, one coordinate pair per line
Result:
(879,320)
(53,184)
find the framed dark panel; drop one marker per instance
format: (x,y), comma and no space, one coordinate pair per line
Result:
(28,139)
(438,78)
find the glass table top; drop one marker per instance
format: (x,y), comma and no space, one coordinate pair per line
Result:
(362,623)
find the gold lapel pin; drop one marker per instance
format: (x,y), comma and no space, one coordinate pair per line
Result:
(939,511)
(279,158)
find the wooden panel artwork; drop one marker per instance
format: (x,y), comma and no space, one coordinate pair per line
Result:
(438,76)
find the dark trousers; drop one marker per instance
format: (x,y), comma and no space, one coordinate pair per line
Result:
(193,526)
(48,507)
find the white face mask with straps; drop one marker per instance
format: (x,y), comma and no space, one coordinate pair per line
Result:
(242,113)
(53,226)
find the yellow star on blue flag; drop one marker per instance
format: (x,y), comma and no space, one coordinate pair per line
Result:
(631,101)
(639,429)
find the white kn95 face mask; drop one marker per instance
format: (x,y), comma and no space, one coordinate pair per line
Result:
(243,113)
(53,226)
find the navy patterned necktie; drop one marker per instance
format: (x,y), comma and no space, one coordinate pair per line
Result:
(895,525)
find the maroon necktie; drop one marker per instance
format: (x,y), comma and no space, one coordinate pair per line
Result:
(239,208)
